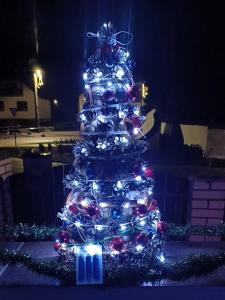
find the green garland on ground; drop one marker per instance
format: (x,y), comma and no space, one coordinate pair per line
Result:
(25,232)
(176,231)
(193,265)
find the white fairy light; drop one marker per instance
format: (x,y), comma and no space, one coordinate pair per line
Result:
(141,201)
(92,249)
(102,118)
(109,83)
(138,178)
(139,248)
(83,118)
(114,252)
(162,258)
(126,205)
(85,76)
(63,246)
(84,202)
(103,204)
(83,150)
(76,183)
(150,192)
(120,73)
(136,111)
(123,227)
(99,74)
(124,139)
(87,86)
(119,185)
(135,130)
(121,114)
(78,224)
(99,227)
(127,54)
(95,186)
(142,222)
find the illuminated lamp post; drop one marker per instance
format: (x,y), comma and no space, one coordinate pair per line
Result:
(38,82)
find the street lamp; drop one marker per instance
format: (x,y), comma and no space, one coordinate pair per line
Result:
(38,82)
(56,102)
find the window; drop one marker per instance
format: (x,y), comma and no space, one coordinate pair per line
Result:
(21,106)
(2,108)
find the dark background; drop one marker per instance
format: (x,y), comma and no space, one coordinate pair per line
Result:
(178,47)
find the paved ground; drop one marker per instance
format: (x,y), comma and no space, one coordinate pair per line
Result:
(24,140)
(20,276)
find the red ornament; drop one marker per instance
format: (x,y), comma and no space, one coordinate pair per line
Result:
(142,239)
(92,211)
(148,172)
(57,246)
(73,208)
(161,226)
(153,205)
(117,244)
(63,236)
(140,210)
(136,121)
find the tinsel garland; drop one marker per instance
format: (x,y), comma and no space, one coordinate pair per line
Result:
(194,265)
(25,232)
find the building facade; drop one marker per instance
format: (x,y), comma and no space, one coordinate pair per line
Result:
(16,95)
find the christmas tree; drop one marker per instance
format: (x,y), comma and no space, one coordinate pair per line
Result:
(110,187)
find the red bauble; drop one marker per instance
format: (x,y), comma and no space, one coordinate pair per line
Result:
(161,226)
(136,121)
(148,171)
(142,239)
(57,246)
(153,205)
(63,236)
(140,210)
(73,208)
(117,244)
(92,211)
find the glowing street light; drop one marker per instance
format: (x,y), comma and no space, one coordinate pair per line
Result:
(55,102)
(38,82)
(144,90)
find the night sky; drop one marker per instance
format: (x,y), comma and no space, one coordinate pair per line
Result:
(178,48)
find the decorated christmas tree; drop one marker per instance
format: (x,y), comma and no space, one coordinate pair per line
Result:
(110,205)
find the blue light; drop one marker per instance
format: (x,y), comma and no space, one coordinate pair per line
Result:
(85,76)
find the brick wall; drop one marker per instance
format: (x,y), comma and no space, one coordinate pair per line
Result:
(6,211)
(207,205)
